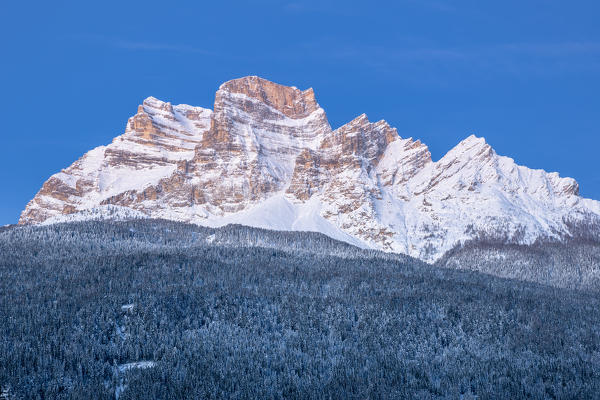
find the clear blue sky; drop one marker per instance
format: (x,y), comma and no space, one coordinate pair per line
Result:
(523,74)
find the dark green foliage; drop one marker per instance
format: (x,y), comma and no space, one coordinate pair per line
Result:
(244,313)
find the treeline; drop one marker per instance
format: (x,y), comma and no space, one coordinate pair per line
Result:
(84,239)
(243,313)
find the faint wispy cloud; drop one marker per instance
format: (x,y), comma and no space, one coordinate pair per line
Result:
(333,7)
(319,7)
(294,7)
(157,46)
(470,53)
(142,45)
(553,49)
(433,4)
(438,64)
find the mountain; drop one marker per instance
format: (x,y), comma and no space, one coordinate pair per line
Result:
(266,156)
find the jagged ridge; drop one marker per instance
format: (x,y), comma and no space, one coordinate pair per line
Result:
(267,157)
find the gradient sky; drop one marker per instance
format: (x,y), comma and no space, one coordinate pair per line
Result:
(523,74)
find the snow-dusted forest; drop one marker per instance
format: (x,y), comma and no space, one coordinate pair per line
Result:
(158,309)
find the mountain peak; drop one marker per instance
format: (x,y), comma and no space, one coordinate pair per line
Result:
(470,149)
(153,102)
(288,100)
(359,119)
(472,141)
(474,138)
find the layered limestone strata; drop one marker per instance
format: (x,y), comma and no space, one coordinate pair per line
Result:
(266,156)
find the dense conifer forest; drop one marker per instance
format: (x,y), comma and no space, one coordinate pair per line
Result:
(164,310)
(574,264)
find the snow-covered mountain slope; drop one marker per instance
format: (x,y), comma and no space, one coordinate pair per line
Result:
(267,157)
(156,141)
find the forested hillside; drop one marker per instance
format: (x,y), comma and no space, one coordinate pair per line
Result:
(574,264)
(157,309)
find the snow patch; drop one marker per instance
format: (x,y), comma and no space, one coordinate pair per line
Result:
(127,307)
(133,365)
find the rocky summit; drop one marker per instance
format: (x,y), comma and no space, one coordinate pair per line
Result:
(266,156)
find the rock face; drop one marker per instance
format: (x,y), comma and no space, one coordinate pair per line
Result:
(157,140)
(267,156)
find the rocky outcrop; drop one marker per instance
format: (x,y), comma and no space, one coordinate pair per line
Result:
(257,130)
(156,141)
(343,173)
(267,156)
